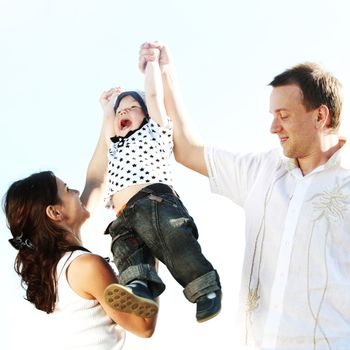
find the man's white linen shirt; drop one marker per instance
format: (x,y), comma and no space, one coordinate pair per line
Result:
(295,291)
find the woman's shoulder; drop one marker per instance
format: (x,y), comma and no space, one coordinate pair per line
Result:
(90,267)
(82,260)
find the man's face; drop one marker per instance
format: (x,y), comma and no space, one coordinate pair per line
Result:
(292,123)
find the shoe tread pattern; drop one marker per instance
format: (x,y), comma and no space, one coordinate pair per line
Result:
(121,299)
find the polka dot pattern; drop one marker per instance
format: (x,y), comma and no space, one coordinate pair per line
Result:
(140,158)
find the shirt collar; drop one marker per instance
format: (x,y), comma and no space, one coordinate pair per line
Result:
(339,158)
(116,139)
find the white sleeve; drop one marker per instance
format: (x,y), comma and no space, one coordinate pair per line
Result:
(233,175)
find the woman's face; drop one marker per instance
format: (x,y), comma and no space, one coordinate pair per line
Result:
(72,211)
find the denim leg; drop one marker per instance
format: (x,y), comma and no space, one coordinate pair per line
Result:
(132,257)
(169,231)
(202,286)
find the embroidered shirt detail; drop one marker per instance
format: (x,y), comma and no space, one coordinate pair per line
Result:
(332,203)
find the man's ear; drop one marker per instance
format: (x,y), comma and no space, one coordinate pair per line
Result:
(53,213)
(323,117)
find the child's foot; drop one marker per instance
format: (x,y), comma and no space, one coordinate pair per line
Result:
(208,306)
(132,298)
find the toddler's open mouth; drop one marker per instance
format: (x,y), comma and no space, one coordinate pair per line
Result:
(125,124)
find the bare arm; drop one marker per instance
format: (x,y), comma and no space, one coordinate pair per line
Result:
(97,168)
(187,149)
(89,275)
(154,93)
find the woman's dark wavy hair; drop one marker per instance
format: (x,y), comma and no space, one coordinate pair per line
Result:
(25,206)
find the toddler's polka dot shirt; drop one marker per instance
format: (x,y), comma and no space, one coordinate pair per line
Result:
(141,157)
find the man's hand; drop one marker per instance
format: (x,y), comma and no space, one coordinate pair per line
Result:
(149,52)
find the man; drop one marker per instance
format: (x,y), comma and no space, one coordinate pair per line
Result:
(296,269)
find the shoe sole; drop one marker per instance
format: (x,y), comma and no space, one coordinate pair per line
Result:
(210,316)
(122,299)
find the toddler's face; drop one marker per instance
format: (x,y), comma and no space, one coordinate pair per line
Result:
(129,116)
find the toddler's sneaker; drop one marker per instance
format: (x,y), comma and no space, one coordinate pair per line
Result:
(132,298)
(208,306)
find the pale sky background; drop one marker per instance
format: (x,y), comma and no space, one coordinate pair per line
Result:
(56,57)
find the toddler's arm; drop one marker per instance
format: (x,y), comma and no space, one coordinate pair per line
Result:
(188,150)
(154,93)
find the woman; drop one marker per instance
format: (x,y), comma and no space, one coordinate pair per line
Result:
(61,277)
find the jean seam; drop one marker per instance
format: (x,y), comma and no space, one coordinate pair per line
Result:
(166,252)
